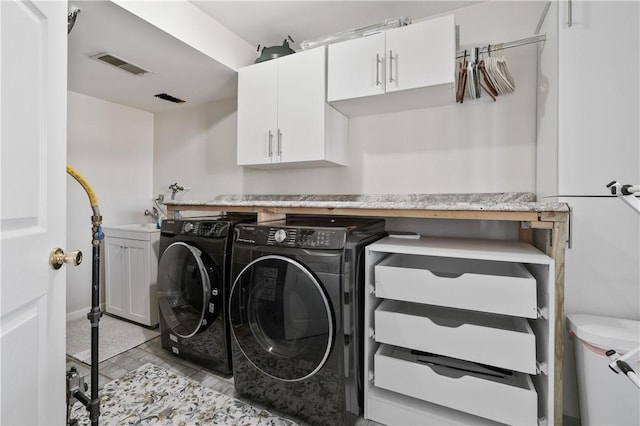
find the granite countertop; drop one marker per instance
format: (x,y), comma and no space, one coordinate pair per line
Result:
(502,201)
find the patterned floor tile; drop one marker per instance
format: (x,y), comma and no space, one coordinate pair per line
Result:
(152,352)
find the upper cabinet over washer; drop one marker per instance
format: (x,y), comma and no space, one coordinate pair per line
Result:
(283,117)
(399,69)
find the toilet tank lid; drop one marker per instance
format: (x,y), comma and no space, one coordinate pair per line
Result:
(608,333)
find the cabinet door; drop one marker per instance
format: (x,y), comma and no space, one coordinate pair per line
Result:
(138,279)
(421,55)
(356,68)
(598,103)
(257,113)
(301,107)
(116,282)
(128,279)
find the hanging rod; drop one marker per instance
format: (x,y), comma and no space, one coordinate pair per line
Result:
(499,46)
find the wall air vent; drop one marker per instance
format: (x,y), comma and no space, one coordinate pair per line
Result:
(123,64)
(169,98)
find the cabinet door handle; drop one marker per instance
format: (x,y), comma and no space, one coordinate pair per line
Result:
(569,14)
(270,144)
(279,142)
(390,66)
(378,62)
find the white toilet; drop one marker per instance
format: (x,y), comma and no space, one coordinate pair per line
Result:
(605,398)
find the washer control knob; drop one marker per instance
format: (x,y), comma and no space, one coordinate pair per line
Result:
(188,227)
(280,235)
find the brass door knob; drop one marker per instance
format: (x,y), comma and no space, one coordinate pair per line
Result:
(58,258)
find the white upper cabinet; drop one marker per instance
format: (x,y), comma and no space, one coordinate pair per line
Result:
(356,68)
(421,55)
(412,66)
(257,113)
(283,117)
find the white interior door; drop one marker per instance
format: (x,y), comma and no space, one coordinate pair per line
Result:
(33,93)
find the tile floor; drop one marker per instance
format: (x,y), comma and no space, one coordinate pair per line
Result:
(152,352)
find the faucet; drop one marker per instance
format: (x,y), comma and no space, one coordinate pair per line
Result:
(175,188)
(157,212)
(157,202)
(154,213)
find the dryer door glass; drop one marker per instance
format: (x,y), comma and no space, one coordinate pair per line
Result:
(187,289)
(281,318)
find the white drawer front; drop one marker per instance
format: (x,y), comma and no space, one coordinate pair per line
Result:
(480,285)
(512,400)
(505,342)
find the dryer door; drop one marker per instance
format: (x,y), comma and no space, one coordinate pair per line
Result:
(281,318)
(188,289)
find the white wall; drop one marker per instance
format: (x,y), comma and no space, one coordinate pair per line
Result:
(112,147)
(588,136)
(477,146)
(196,147)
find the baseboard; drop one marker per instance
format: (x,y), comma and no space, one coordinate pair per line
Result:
(81,313)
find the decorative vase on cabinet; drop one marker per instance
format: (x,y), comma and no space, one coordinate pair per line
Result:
(412,66)
(283,117)
(131,258)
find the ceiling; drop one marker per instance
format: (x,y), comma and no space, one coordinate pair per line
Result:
(186,73)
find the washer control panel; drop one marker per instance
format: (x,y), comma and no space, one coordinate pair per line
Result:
(308,238)
(200,228)
(211,229)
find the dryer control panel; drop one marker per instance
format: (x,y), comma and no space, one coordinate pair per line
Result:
(200,228)
(307,238)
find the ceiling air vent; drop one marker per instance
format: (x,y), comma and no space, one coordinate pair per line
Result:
(123,64)
(169,98)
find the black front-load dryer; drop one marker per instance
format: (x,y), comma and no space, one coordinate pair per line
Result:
(193,289)
(296,315)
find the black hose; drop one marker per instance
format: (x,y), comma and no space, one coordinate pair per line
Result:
(94,317)
(93,404)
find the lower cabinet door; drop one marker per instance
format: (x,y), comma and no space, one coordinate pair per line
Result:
(130,281)
(511,399)
(497,340)
(505,288)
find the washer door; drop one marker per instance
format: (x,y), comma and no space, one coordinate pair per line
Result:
(187,289)
(281,318)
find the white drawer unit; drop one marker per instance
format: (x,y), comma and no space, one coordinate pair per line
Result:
(459,332)
(506,288)
(509,399)
(501,341)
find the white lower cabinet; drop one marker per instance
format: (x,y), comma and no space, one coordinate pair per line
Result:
(511,400)
(459,332)
(131,270)
(500,341)
(483,285)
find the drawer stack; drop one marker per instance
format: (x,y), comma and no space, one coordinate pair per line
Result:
(456,332)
